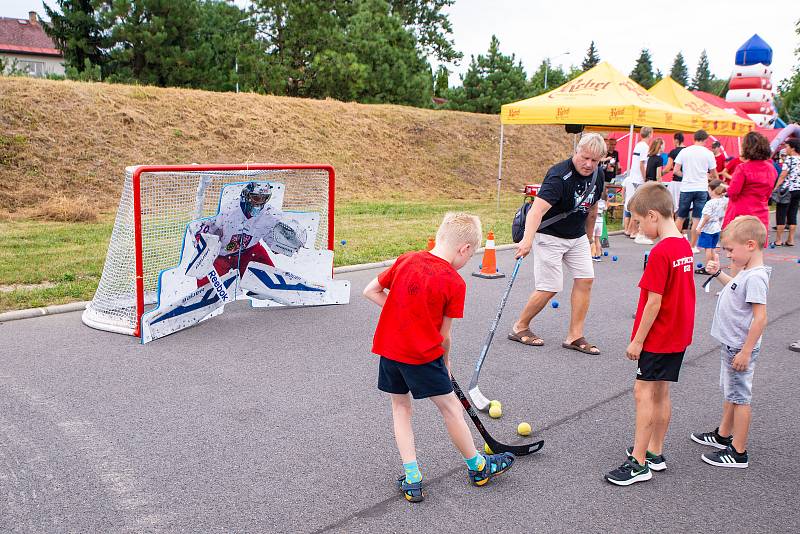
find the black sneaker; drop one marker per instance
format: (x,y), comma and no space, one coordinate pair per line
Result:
(656,462)
(630,472)
(726,458)
(713,439)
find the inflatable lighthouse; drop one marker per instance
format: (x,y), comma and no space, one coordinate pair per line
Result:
(750,87)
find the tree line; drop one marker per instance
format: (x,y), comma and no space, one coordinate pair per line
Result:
(370,51)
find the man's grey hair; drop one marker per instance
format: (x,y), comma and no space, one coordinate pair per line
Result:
(646,132)
(592,143)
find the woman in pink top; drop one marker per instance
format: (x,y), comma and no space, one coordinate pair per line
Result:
(752,181)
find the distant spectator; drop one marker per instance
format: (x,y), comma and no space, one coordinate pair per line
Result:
(674,186)
(730,166)
(696,163)
(719,155)
(752,181)
(654,161)
(635,179)
(788,189)
(610,162)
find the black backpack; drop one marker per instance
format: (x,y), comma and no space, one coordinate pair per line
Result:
(518,225)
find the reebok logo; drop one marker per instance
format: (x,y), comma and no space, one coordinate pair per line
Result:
(218,286)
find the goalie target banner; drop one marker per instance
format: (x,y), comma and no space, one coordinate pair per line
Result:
(254,252)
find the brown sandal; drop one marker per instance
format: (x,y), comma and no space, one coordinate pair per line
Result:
(581,345)
(526,337)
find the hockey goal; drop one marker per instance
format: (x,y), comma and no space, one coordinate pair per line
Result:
(156,204)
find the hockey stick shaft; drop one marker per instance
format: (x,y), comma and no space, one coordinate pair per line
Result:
(494,445)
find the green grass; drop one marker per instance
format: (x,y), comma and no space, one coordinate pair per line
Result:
(71,255)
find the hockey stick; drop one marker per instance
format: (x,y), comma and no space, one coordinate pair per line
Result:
(494,445)
(481,402)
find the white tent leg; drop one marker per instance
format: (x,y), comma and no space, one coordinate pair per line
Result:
(630,149)
(500,167)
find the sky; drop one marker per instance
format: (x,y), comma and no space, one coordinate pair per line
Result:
(534,30)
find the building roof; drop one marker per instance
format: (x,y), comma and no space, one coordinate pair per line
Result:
(22,36)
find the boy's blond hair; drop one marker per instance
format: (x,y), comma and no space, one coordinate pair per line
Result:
(651,196)
(745,228)
(459,229)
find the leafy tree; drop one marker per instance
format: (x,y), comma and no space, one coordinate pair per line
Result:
(492,80)
(642,72)
(702,80)
(555,77)
(78,32)
(789,90)
(658,76)
(430,26)
(679,71)
(591,59)
(441,81)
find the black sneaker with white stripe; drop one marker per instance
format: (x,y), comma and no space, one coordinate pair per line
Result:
(727,458)
(656,462)
(629,473)
(712,439)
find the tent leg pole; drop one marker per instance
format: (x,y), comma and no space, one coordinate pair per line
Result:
(630,148)
(500,168)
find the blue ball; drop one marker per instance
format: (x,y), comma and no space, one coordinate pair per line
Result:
(611,196)
(554,304)
(614,258)
(772,245)
(798,260)
(605,253)
(699,265)
(344,241)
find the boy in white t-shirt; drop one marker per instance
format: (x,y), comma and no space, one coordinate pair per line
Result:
(698,166)
(711,224)
(634,179)
(597,249)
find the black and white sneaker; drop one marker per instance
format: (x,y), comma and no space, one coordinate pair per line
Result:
(656,462)
(727,458)
(712,439)
(630,472)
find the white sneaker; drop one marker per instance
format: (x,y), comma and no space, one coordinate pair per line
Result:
(695,250)
(642,240)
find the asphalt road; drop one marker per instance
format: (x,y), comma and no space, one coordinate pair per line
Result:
(269,420)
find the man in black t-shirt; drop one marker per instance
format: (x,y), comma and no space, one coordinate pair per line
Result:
(571,187)
(610,163)
(678,137)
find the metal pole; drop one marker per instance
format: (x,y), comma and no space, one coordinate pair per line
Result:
(500,167)
(546,65)
(630,149)
(236,69)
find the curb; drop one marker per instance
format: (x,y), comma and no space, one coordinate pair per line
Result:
(30,313)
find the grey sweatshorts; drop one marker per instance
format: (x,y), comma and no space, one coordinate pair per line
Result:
(737,386)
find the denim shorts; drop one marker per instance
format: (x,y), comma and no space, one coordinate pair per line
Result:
(694,200)
(737,386)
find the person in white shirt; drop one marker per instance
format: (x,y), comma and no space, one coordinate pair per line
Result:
(697,164)
(634,180)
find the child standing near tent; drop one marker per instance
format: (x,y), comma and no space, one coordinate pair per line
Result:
(711,222)
(597,249)
(413,341)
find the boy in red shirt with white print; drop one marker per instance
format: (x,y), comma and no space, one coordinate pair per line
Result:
(661,332)
(413,340)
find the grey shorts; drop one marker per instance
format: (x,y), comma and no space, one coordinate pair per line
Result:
(551,254)
(737,386)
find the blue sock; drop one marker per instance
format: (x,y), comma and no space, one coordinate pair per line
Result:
(475,463)
(412,472)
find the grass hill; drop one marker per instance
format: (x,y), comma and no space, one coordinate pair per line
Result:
(64,145)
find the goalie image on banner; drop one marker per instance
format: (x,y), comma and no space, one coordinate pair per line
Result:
(250,250)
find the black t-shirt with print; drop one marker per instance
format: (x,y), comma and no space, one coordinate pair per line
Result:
(562,186)
(674,154)
(653,163)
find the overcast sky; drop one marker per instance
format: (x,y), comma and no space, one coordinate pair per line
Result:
(535,29)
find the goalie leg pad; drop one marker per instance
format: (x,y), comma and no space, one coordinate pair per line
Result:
(262,281)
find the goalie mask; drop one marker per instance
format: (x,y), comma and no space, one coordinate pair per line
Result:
(254,197)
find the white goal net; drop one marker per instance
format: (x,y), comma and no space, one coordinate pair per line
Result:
(156,204)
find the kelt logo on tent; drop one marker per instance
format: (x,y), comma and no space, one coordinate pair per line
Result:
(562,112)
(616,113)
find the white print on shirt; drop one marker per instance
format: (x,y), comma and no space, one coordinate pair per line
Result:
(686,262)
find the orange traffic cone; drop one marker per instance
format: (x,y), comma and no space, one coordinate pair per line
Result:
(489,263)
(431,243)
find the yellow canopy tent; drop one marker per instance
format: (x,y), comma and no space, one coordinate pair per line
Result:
(600,97)
(715,121)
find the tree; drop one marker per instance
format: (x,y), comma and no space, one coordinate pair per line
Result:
(642,72)
(441,81)
(492,80)
(788,96)
(591,59)
(679,71)
(429,25)
(658,76)
(77,31)
(702,80)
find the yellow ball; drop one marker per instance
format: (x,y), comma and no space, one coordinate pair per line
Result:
(487,449)
(495,411)
(524,429)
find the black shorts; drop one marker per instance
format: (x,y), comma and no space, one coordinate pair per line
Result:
(659,366)
(423,381)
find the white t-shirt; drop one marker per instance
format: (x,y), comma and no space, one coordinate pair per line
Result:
(639,156)
(629,185)
(695,162)
(715,211)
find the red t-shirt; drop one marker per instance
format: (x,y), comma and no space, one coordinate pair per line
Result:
(720,159)
(423,289)
(731,166)
(670,273)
